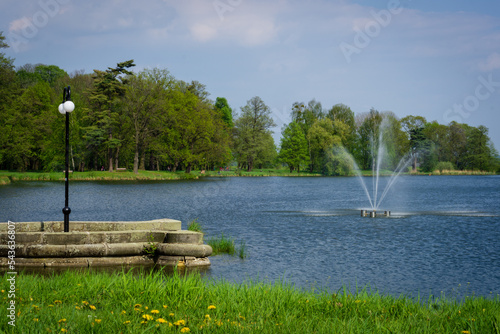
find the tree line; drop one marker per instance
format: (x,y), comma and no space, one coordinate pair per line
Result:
(151,120)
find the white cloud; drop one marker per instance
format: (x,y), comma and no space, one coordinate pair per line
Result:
(491,63)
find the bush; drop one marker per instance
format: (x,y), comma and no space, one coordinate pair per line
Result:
(444,165)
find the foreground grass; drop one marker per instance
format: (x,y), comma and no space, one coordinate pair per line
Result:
(153,302)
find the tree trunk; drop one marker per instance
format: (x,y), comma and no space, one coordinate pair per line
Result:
(117,157)
(174,169)
(136,158)
(188,168)
(291,169)
(142,165)
(110,153)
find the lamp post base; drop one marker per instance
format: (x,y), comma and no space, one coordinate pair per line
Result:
(66,211)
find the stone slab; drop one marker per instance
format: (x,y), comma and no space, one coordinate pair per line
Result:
(163,224)
(184,237)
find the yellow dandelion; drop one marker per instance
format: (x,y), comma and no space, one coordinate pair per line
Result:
(35,306)
(161,321)
(180,322)
(98,321)
(3,291)
(92,307)
(465,332)
(185,330)
(50,305)
(62,320)
(64,330)
(212,307)
(155,311)
(85,302)
(137,305)
(171,314)
(126,322)
(146,307)
(144,322)
(165,306)
(207,316)
(123,312)
(147,317)
(78,307)
(35,320)
(57,302)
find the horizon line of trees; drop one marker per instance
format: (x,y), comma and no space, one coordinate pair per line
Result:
(151,120)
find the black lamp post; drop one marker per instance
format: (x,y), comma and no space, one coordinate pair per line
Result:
(65,108)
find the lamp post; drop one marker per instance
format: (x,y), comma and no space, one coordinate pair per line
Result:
(65,108)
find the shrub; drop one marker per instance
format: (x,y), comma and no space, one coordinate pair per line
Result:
(444,165)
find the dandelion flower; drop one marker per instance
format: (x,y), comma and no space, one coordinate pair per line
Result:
(57,302)
(64,330)
(211,307)
(155,311)
(78,307)
(147,317)
(126,322)
(165,306)
(35,320)
(92,307)
(137,305)
(62,320)
(171,314)
(98,321)
(180,322)
(161,321)
(123,312)
(85,302)
(185,330)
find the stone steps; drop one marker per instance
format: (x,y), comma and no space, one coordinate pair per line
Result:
(160,242)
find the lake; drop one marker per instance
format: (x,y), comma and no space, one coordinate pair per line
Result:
(443,235)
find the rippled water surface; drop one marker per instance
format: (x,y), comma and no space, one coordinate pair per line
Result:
(443,235)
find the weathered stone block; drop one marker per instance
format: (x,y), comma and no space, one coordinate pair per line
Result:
(184,237)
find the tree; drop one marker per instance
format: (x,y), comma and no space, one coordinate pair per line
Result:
(367,138)
(142,105)
(341,112)
(293,149)
(414,127)
(226,112)
(104,114)
(251,128)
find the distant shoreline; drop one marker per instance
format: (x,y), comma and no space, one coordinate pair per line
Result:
(8,177)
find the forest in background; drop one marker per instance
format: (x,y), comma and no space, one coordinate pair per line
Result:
(150,120)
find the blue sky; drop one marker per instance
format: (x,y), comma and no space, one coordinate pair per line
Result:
(437,59)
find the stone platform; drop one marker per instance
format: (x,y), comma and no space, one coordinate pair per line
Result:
(158,242)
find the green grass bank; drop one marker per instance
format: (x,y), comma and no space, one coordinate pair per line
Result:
(7,177)
(76,302)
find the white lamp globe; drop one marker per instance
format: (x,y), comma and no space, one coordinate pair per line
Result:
(61,109)
(69,106)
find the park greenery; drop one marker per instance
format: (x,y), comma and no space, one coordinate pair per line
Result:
(156,302)
(150,121)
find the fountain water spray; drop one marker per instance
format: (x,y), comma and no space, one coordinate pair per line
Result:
(375,199)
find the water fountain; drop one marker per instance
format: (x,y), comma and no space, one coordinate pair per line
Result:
(374,198)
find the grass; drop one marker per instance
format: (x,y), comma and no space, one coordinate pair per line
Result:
(100,302)
(97,176)
(225,245)
(195,226)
